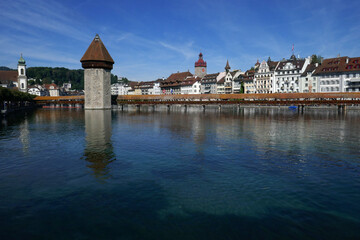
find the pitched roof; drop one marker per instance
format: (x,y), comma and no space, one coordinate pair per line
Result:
(310,68)
(178,76)
(97,52)
(338,65)
(222,80)
(298,63)
(272,65)
(8,77)
(210,78)
(190,81)
(47,86)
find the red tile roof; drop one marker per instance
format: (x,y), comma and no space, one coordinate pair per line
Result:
(8,77)
(175,79)
(47,86)
(338,65)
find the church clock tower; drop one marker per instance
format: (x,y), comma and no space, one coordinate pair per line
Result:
(200,67)
(22,79)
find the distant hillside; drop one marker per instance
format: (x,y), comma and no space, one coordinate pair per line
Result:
(60,76)
(2,68)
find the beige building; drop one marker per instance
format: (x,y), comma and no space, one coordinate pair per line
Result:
(265,76)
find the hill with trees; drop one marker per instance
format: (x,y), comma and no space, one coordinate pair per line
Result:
(60,75)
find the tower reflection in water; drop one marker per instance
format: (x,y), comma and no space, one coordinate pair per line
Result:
(99,150)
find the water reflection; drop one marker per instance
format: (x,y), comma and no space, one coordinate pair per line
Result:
(24,135)
(99,150)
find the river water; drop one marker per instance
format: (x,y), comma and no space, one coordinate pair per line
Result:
(254,173)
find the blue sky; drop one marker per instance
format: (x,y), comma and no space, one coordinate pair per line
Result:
(152,39)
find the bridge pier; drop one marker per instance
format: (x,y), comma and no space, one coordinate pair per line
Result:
(341,108)
(301,108)
(203,108)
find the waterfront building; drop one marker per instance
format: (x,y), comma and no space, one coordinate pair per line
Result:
(288,73)
(97,63)
(236,81)
(37,90)
(22,79)
(8,79)
(341,74)
(52,89)
(264,76)
(220,83)
(225,82)
(308,81)
(119,89)
(208,83)
(200,67)
(172,85)
(66,86)
(191,85)
(148,88)
(248,80)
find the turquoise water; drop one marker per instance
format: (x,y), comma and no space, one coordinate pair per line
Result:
(247,174)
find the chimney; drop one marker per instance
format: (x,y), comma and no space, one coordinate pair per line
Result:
(347,60)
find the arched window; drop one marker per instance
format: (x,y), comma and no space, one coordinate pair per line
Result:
(22,84)
(22,71)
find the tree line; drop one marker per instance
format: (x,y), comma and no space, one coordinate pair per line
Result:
(7,94)
(59,75)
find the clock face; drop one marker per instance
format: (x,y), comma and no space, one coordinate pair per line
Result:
(203,70)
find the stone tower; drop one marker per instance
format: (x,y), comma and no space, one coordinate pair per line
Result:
(22,79)
(97,63)
(200,67)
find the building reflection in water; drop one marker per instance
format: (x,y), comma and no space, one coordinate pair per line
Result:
(99,150)
(24,135)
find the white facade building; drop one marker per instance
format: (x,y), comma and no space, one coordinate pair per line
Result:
(264,77)
(119,89)
(308,81)
(341,74)
(191,85)
(288,73)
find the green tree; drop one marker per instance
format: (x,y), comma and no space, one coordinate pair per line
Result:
(316,58)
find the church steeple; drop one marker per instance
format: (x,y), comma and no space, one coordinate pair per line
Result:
(227,67)
(22,79)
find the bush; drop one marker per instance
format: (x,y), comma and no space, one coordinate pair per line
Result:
(15,95)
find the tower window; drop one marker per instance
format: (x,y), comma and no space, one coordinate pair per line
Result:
(22,85)
(22,71)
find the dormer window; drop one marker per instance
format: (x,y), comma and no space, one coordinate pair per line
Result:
(356,61)
(349,67)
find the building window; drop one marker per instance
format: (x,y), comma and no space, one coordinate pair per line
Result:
(22,85)
(22,71)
